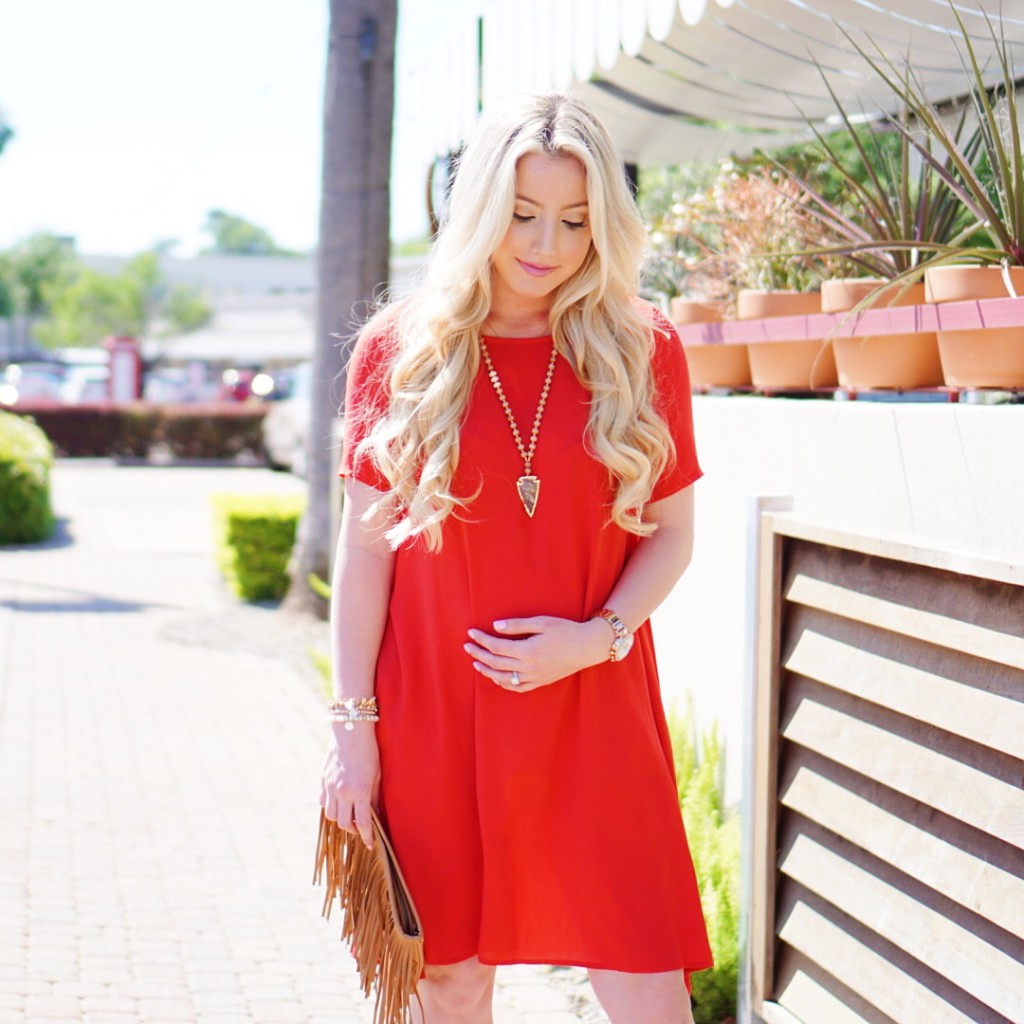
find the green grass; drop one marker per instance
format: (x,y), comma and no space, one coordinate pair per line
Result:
(714,834)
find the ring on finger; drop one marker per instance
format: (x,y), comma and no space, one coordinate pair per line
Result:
(514,679)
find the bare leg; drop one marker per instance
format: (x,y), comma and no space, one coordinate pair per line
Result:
(642,998)
(456,994)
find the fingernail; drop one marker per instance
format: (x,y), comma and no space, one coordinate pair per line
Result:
(500,624)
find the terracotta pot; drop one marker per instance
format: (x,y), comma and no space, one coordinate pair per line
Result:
(715,365)
(992,357)
(790,365)
(952,283)
(784,365)
(894,361)
(694,311)
(841,294)
(752,304)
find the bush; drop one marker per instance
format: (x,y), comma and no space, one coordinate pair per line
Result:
(714,834)
(255,536)
(25,460)
(213,430)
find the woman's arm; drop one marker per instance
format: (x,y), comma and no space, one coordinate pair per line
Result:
(360,592)
(560,647)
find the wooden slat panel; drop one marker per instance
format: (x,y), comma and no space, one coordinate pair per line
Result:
(982,717)
(772,1013)
(930,627)
(995,894)
(811,1003)
(907,550)
(860,968)
(762,903)
(976,966)
(928,775)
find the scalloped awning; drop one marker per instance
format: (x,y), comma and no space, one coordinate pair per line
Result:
(681,80)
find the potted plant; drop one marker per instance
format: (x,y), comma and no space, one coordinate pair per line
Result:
(758,242)
(678,272)
(764,238)
(891,221)
(988,179)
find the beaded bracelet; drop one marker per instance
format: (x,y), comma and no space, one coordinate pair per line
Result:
(349,710)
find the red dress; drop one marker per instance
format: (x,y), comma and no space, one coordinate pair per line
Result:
(541,827)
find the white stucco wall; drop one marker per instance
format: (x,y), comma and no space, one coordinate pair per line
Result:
(947,474)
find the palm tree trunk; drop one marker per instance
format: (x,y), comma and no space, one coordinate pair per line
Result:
(353,250)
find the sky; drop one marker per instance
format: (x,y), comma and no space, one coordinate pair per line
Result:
(134,119)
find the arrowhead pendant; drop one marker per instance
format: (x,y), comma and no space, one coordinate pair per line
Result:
(529,490)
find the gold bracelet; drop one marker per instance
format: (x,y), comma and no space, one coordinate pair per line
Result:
(352,704)
(349,710)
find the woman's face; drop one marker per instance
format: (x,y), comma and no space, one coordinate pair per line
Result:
(549,236)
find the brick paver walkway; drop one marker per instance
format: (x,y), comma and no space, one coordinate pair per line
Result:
(159,754)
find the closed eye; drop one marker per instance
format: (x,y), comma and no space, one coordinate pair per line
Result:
(522,218)
(574,224)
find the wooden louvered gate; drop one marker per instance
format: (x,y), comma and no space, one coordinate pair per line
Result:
(887,791)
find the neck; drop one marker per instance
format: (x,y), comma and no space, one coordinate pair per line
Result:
(513,317)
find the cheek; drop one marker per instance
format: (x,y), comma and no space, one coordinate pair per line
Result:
(580,248)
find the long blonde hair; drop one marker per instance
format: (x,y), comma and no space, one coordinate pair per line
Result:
(596,323)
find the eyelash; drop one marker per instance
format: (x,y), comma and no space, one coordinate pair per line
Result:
(573,225)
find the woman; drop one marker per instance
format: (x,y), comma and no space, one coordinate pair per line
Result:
(519,465)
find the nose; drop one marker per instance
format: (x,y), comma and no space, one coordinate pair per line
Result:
(544,240)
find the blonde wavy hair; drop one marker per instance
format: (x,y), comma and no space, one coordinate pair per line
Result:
(598,326)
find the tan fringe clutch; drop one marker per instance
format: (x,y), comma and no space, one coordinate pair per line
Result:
(380,925)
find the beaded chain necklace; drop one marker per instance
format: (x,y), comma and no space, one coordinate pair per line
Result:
(527,485)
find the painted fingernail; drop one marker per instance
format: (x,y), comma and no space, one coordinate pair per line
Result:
(500,624)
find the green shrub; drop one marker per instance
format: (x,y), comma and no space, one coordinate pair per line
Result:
(714,834)
(255,536)
(25,460)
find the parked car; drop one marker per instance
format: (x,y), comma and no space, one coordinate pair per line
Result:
(85,383)
(39,382)
(286,425)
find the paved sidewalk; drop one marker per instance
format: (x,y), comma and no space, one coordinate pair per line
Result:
(160,748)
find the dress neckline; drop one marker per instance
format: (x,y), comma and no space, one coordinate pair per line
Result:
(532,339)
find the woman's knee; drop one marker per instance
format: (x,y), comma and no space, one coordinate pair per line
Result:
(461,986)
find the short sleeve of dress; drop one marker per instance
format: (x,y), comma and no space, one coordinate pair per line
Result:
(673,401)
(366,402)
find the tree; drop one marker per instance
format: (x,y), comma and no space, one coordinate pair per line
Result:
(6,132)
(233,234)
(185,309)
(84,306)
(352,261)
(93,305)
(35,267)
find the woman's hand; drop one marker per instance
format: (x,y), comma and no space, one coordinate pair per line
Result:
(549,649)
(351,779)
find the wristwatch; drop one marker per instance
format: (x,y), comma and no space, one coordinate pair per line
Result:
(623,642)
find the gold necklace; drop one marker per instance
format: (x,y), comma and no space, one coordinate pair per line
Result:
(527,485)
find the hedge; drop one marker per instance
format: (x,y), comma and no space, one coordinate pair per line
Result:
(209,430)
(255,536)
(25,460)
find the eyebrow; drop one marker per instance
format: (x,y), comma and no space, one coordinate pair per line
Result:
(533,202)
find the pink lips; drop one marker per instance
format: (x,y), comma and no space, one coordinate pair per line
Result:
(533,270)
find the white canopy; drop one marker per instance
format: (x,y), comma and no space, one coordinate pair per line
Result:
(682,80)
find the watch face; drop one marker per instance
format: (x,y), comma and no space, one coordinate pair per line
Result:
(622,646)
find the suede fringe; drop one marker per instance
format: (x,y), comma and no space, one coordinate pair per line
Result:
(380,923)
